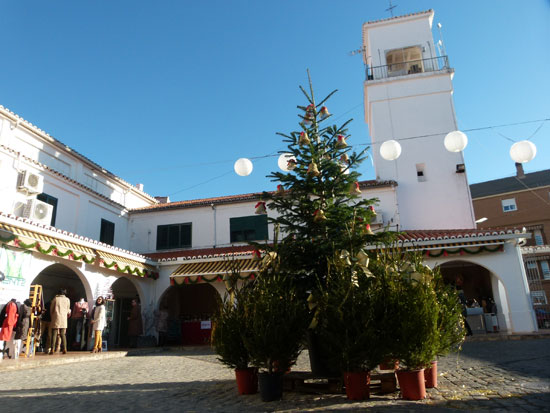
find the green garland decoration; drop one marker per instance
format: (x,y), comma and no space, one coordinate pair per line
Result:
(46,251)
(129,270)
(463,251)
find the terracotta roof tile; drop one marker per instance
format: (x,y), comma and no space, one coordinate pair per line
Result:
(201,253)
(229,199)
(448,235)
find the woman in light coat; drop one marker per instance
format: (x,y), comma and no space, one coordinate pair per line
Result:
(98,323)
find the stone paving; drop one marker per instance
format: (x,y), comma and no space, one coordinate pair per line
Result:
(489,375)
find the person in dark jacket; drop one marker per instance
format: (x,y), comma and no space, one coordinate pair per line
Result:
(23,324)
(135,325)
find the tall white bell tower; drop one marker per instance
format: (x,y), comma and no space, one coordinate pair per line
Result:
(409,99)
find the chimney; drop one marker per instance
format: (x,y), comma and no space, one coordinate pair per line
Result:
(140,187)
(519,170)
(163,199)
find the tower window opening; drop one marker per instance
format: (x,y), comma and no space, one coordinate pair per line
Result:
(404,61)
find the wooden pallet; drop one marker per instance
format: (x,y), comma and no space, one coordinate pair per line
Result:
(306,382)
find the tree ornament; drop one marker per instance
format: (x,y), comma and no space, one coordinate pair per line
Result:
(291,165)
(256,255)
(310,115)
(324,113)
(280,189)
(341,143)
(355,190)
(368,231)
(260,208)
(344,158)
(313,170)
(319,216)
(304,139)
(371,209)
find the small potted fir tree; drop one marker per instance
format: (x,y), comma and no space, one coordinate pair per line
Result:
(227,339)
(277,319)
(416,340)
(349,329)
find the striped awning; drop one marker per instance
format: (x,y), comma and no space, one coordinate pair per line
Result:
(23,238)
(216,267)
(124,265)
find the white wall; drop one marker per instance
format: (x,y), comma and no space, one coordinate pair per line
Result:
(418,111)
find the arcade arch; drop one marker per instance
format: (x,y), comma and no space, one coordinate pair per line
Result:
(124,291)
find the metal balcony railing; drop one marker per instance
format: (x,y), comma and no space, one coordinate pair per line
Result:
(433,64)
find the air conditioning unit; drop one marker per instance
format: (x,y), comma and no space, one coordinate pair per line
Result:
(377,219)
(30,182)
(38,211)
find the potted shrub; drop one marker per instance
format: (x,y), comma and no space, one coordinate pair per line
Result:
(348,324)
(277,318)
(416,340)
(229,324)
(450,325)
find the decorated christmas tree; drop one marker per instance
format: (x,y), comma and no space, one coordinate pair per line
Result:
(318,200)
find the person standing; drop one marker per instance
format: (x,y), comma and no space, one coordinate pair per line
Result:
(135,325)
(98,323)
(8,320)
(60,310)
(22,328)
(161,323)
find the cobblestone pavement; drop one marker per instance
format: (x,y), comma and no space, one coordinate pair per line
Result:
(496,375)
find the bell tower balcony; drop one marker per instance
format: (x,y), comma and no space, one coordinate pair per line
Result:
(399,68)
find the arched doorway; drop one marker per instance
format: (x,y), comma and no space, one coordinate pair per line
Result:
(56,277)
(481,291)
(124,292)
(190,309)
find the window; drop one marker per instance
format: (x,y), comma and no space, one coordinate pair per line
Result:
(538,297)
(107,232)
(404,61)
(509,205)
(48,199)
(537,234)
(174,236)
(253,228)
(420,175)
(545,270)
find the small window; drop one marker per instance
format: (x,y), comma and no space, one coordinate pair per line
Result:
(545,269)
(107,232)
(538,297)
(174,236)
(537,234)
(509,205)
(420,174)
(252,228)
(48,199)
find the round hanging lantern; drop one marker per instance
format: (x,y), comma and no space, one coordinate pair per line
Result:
(523,151)
(243,167)
(283,161)
(390,150)
(455,141)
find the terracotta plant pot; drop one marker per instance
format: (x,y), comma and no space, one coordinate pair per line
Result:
(247,380)
(357,385)
(430,375)
(271,386)
(412,384)
(389,365)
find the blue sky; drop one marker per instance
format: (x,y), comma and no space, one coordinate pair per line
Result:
(171,93)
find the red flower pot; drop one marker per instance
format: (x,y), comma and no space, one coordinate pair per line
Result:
(357,385)
(412,384)
(247,380)
(430,375)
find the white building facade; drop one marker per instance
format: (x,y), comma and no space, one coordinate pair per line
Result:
(76,225)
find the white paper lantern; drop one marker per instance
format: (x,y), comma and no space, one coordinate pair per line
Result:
(523,151)
(455,141)
(390,150)
(243,167)
(283,161)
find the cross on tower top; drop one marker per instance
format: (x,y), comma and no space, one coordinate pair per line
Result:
(390,9)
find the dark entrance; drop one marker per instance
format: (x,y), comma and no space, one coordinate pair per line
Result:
(124,292)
